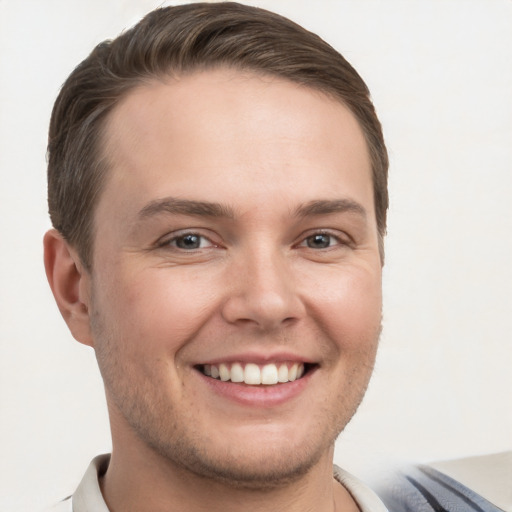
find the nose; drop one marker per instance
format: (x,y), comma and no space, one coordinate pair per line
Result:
(263,292)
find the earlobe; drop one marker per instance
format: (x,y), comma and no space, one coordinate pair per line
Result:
(70,284)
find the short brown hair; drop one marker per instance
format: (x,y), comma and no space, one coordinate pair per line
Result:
(177,40)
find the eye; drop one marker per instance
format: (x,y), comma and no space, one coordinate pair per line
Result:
(321,241)
(189,242)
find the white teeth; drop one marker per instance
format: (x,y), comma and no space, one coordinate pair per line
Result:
(255,375)
(292,372)
(282,373)
(269,374)
(224,373)
(237,373)
(252,374)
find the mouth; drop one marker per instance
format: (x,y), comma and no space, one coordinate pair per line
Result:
(253,374)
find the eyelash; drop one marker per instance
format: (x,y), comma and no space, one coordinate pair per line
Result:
(175,240)
(338,240)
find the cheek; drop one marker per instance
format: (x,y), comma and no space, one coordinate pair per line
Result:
(157,310)
(350,305)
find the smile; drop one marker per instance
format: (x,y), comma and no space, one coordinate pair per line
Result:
(254,374)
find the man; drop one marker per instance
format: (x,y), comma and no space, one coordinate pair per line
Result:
(218,188)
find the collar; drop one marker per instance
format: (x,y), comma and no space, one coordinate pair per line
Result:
(88,497)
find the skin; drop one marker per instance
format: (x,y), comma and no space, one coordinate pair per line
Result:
(286,266)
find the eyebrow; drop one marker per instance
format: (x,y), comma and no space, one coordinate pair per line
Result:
(328,206)
(177,206)
(185,207)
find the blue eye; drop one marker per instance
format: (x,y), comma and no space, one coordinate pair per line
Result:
(190,242)
(320,241)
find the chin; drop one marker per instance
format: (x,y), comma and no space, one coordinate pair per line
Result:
(258,457)
(269,467)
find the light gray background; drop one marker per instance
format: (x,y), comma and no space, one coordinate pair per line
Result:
(441,77)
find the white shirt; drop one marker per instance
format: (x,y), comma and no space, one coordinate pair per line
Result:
(88,497)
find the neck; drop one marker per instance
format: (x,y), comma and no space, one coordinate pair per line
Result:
(141,480)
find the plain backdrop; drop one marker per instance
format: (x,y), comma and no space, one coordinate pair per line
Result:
(441,77)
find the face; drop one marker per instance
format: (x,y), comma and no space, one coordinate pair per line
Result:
(235,296)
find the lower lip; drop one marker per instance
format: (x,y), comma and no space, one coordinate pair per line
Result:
(258,396)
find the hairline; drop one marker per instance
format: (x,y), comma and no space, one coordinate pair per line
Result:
(104,158)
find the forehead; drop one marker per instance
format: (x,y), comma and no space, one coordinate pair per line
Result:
(227,133)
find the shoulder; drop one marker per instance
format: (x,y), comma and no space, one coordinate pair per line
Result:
(480,484)
(487,475)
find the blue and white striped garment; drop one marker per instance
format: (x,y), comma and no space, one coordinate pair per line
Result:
(424,489)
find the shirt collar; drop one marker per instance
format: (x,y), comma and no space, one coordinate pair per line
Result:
(366,499)
(88,497)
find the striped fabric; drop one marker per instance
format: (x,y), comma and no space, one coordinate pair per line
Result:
(424,489)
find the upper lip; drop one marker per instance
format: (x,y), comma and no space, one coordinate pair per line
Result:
(259,358)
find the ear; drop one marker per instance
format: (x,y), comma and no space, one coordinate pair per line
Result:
(70,283)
